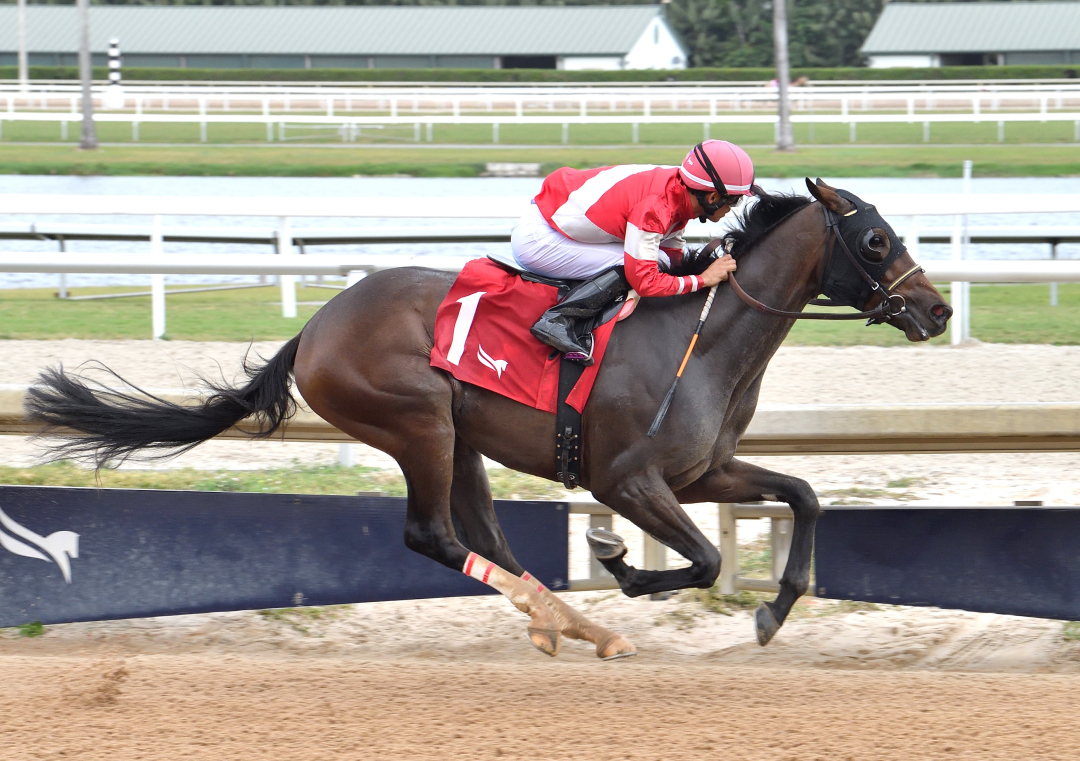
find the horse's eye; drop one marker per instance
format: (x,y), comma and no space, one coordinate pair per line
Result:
(873,245)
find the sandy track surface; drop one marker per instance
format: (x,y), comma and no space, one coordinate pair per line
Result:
(156,707)
(457,679)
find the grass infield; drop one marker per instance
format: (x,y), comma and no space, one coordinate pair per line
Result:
(457,160)
(1000,314)
(299,479)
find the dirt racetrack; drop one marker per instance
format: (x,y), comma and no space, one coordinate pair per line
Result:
(173,707)
(456,679)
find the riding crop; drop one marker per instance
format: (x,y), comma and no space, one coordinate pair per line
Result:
(671,391)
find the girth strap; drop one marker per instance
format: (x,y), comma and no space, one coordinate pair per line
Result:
(568,427)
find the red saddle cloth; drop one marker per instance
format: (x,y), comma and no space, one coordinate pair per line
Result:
(482,337)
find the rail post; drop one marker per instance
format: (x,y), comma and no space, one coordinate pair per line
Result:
(63,294)
(655,555)
(729,548)
(956,288)
(288,282)
(911,238)
(157,282)
(1053,286)
(597,571)
(780,543)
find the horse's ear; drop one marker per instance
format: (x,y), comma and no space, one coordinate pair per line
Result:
(828,197)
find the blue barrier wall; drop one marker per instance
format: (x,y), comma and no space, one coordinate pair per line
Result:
(1020,561)
(147,553)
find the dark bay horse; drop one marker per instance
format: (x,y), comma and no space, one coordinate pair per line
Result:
(362,363)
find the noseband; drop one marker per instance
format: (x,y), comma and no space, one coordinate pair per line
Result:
(892,304)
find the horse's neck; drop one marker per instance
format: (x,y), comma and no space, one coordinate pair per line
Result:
(783,272)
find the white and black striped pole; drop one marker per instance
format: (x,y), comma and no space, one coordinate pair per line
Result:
(114,96)
(114,62)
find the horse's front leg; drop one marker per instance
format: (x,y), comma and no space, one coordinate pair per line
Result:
(647,502)
(738,481)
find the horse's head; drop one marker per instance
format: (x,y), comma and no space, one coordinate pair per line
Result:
(867,264)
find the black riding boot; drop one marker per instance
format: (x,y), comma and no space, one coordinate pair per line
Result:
(560,326)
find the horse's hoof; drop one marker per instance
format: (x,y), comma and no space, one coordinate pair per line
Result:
(547,641)
(605,545)
(614,647)
(766,624)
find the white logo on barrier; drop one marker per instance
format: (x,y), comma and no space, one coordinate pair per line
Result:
(498,365)
(60,545)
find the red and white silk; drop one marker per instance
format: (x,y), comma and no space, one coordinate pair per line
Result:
(643,206)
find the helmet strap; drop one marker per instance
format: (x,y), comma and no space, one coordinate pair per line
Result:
(707,165)
(707,209)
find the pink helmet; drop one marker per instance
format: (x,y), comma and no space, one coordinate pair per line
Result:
(718,165)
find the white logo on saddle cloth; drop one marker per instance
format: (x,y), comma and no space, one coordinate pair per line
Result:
(60,545)
(498,365)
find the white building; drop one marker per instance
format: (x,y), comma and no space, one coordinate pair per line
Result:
(294,37)
(975,34)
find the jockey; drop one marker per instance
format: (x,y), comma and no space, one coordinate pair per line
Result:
(585,223)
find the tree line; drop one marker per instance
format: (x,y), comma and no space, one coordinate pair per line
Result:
(725,33)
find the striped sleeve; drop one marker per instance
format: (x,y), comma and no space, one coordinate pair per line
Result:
(641,258)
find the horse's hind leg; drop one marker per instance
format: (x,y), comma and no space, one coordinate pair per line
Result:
(422,442)
(474,517)
(739,481)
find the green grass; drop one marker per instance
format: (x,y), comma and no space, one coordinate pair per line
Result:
(662,146)
(240,315)
(320,479)
(302,619)
(481,135)
(1000,314)
(1071,631)
(32,629)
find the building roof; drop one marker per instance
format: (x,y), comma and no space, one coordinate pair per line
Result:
(999,27)
(338,30)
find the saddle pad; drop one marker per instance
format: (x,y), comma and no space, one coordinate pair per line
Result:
(482,337)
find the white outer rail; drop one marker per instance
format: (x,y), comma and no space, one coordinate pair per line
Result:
(288,266)
(456,207)
(1029,271)
(506,208)
(349,124)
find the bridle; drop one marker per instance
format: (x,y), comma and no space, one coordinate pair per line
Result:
(892,304)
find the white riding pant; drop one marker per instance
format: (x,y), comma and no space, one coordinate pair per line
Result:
(540,248)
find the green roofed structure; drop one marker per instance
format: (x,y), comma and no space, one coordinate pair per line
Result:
(975,34)
(296,37)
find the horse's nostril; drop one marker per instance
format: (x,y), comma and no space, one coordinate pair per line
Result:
(941,312)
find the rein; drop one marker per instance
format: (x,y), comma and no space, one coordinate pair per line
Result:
(892,304)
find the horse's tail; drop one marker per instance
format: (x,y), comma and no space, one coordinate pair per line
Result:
(102,425)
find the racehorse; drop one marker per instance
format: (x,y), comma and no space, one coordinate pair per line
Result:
(362,364)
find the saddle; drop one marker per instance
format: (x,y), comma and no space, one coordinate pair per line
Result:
(568,419)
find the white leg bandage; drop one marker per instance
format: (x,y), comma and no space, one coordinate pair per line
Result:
(484,570)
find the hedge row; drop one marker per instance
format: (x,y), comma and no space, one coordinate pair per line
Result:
(551,75)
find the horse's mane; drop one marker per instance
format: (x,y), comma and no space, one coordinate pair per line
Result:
(751,224)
